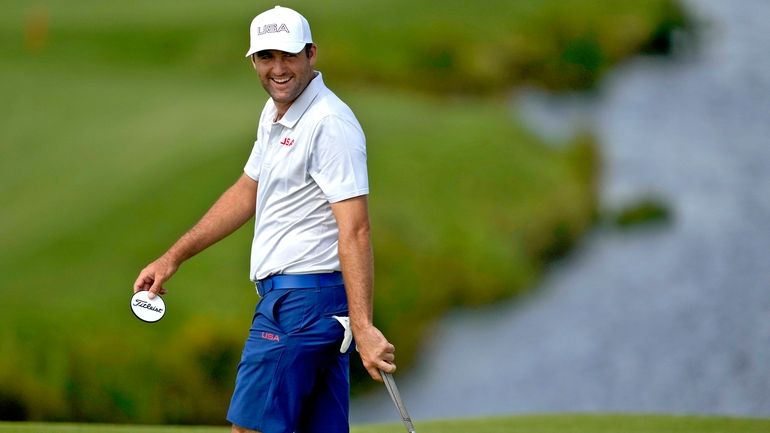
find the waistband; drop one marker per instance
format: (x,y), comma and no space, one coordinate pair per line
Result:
(299,281)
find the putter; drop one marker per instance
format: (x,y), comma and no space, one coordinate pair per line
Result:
(390,384)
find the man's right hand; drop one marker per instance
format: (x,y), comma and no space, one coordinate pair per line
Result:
(376,352)
(153,276)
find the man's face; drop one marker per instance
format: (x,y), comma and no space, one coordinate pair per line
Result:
(284,75)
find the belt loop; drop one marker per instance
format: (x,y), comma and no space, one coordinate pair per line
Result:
(264,286)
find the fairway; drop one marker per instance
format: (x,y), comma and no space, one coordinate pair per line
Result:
(528,424)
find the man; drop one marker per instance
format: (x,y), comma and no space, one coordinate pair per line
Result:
(306,184)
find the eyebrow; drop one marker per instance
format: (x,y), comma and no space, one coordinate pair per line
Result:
(269,53)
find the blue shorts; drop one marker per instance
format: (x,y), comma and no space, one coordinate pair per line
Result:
(292,376)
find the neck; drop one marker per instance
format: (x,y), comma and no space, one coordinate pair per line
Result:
(283,108)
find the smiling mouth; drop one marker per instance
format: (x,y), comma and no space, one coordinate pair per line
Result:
(281,80)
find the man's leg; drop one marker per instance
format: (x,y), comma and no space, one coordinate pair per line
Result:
(293,338)
(253,405)
(326,408)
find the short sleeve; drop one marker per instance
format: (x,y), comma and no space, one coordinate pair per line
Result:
(254,163)
(338,159)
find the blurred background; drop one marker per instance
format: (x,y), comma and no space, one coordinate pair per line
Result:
(568,203)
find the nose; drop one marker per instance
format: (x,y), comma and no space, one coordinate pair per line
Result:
(279,65)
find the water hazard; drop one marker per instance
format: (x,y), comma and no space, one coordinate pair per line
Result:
(672,318)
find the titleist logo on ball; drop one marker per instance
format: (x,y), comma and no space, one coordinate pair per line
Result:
(147,305)
(146,309)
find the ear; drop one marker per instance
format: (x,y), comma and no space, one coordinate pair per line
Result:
(312,55)
(254,61)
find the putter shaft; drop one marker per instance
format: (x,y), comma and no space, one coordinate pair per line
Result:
(390,384)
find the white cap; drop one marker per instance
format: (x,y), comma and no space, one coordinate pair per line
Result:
(280,29)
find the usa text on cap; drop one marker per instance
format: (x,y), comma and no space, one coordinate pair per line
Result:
(280,29)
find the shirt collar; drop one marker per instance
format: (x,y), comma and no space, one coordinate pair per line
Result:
(298,107)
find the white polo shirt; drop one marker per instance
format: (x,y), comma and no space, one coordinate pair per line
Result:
(315,155)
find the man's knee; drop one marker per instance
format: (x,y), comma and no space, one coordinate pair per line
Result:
(236,429)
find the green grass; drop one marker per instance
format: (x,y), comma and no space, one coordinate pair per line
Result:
(523,424)
(114,173)
(121,123)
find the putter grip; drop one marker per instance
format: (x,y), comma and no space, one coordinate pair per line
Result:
(390,384)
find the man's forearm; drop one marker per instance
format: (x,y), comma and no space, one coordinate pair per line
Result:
(357,263)
(356,260)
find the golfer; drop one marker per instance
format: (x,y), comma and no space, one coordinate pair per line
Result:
(306,184)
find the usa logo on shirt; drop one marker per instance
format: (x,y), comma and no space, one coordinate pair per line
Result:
(287,141)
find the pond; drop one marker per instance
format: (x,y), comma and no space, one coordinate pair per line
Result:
(671,318)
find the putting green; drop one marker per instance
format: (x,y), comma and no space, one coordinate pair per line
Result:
(528,424)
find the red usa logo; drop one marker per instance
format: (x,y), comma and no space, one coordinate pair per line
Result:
(270,336)
(287,141)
